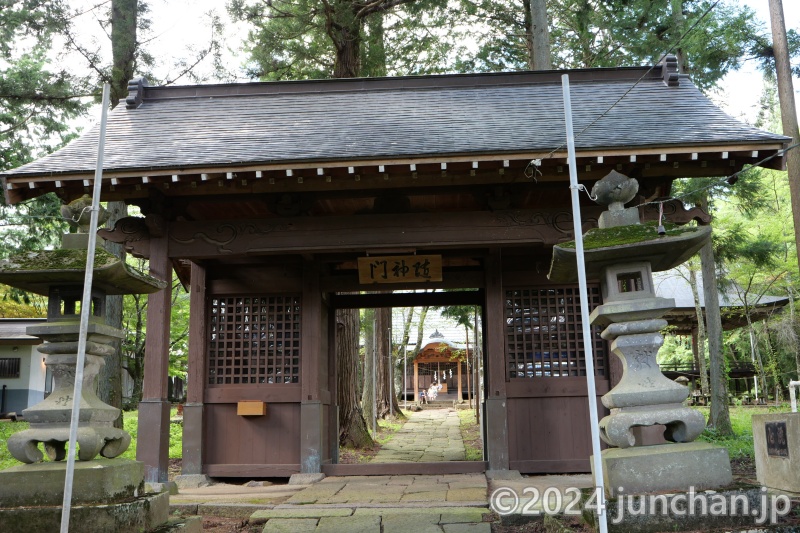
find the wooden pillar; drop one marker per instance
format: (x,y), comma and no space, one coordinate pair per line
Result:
(459,383)
(416,381)
(496,400)
(312,424)
(153,435)
(333,410)
(192,463)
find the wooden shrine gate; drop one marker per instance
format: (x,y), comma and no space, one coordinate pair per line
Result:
(259,352)
(267,216)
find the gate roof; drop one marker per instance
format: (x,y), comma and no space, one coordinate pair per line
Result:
(188,136)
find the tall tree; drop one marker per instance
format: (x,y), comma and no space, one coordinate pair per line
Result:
(613,33)
(352,426)
(303,39)
(540,36)
(387,405)
(783,74)
(37,101)
(124,14)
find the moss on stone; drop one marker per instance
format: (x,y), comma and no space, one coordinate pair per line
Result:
(620,235)
(57,260)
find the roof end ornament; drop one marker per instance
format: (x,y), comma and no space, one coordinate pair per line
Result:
(136,92)
(670,71)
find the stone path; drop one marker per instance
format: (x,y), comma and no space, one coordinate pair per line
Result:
(388,504)
(431,435)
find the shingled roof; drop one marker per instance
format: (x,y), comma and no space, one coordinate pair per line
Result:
(339,122)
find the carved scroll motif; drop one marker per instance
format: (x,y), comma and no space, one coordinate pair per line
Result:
(132,233)
(553,227)
(225,237)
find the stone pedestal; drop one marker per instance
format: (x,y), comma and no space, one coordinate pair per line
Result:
(776,439)
(108,495)
(665,467)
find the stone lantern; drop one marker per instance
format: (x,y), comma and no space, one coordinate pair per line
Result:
(59,275)
(623,254)
(118,483)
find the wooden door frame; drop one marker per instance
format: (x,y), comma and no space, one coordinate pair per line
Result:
(372,301)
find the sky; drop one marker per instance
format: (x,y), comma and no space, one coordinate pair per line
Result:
(181,25)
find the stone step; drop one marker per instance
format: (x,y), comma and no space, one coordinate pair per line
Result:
(318,519)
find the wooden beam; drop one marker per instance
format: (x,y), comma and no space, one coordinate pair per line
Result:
(196,381)
(406,299)
(196,240)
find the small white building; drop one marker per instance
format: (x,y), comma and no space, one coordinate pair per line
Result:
(23,375)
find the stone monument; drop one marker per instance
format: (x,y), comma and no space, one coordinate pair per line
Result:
(776,440)
(108,494)
(623,254)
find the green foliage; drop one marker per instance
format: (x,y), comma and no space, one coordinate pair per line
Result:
(471,435)
(36,100)
(676,351)
(131,423)
(302,39)
(18,304)
(740,445)
(614,33)
(6,430)
(31,226)
(134,323)
(287,41)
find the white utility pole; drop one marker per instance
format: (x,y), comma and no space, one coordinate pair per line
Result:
(588,349)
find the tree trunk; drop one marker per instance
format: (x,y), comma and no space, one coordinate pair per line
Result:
(368,390)
(348,61)
(477,366)
(423,313)
(387,405)
(789,121)
(123,46)
(755,354)
(795,335)
(719,416)
(540,35)
(134,356)
(701,334)
(774,365)
(352,426)
(110,377)
(526,8)
(678,20)
(123,49)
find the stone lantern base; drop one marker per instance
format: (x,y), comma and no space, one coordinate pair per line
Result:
(108,495)
(673,467)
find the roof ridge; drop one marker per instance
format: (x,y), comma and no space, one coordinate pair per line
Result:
(140,91)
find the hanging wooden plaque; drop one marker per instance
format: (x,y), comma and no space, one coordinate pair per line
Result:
(399,269)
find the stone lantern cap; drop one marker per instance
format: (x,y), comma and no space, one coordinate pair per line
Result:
(38,271)
(640,243)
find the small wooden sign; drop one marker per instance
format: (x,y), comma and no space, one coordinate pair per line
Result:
(251,408)
(777,442)
(399,269)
